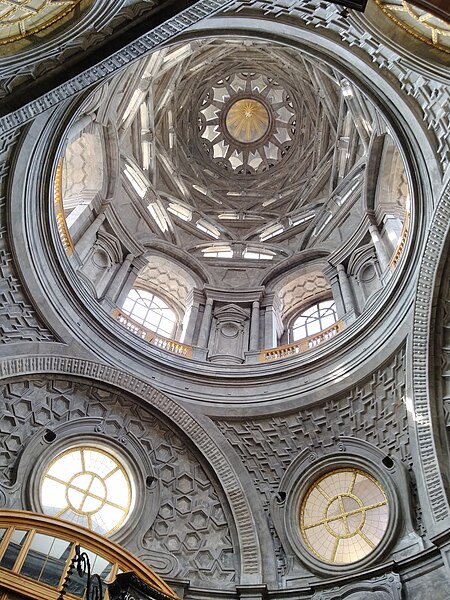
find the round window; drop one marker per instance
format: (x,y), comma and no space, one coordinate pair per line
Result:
(89,487)
(344,516)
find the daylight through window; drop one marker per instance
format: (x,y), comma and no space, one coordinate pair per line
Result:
(314,319)
(344,516)
(89,487)
(152,312)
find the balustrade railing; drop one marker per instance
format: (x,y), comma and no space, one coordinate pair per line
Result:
(267,355)
(271,354)
(150,336)
(59,210)
(401,243)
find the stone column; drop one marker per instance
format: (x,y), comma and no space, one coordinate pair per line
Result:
(178,331)
(332,276)
(380,249)
(206,324)
(269,328)
(127,286)
(87,240)
(346,290)
(191,317)
(254,327)
(119,278)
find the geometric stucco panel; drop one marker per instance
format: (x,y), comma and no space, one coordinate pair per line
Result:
(18,320)
(373,411)
(244,522)
(167,277)
(190,537)
(302,289)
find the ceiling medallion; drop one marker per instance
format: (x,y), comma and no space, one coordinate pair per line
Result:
(246,122)
(421,24)
(21,18)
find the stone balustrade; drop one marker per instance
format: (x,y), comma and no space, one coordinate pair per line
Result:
(59,210)
(401,243)
(267,355)
(271,354)
(150,336)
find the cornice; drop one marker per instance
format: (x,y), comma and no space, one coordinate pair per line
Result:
(169,21)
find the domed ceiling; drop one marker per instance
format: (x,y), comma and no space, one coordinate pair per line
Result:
(237,157)
(243,146)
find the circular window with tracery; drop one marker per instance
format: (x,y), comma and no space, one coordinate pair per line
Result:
(89,487)
(344,516)
(247,122)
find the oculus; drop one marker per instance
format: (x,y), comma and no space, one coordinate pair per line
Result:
(344,516)
(89,487)
(246,122)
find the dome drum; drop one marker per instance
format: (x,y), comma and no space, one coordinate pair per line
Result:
(234,236)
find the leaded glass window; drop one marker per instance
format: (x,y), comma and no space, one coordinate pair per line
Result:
(89,487)
(151,311)
(344,516)
(316,318)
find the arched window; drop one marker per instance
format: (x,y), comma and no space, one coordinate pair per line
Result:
(151,311)
(317,317)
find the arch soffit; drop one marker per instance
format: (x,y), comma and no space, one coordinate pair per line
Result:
(424,401)
(247,532)
(295,267)
(95,150)
(168,279)
(191,266)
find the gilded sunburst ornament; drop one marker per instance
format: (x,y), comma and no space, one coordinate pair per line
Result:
(247,120)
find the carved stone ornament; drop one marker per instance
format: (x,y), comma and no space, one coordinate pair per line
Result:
(385,587)
(302,474)
(229,334)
